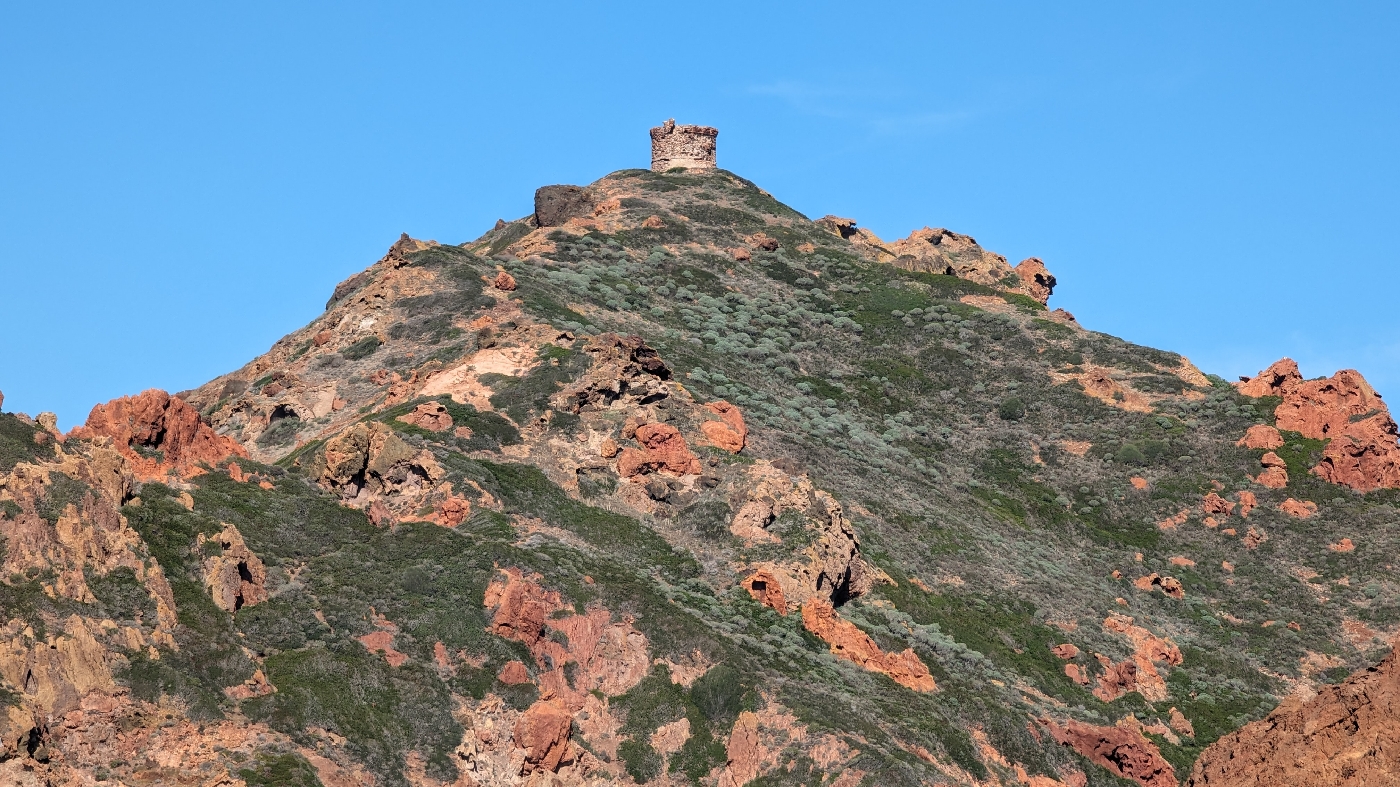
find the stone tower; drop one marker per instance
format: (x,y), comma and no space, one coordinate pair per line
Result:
(692,147)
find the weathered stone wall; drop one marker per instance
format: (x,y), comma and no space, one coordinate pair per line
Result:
(692,147)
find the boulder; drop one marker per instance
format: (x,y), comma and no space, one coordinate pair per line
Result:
(555,205)
(728,433)
(504,282)
(235,577)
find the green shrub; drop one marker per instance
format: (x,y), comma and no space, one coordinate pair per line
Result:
(1011,409)
(362,349)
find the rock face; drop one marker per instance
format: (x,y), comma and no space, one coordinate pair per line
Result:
(1347,734)
(543,732)
(236,578)
(369,458)
(1362,451)
(692,147)
(625,371)
(1122,749)
(854,645)
(168,431)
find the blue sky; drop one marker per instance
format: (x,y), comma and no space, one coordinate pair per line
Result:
(181,184)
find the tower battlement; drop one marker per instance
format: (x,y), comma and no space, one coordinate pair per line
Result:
(692,147)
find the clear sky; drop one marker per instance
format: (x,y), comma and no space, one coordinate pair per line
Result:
(183,183)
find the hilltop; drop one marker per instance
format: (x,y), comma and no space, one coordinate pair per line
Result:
(668,483)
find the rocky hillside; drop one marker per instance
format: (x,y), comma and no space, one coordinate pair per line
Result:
(668,484)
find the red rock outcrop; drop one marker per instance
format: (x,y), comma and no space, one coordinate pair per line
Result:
(432,416)
(1344,545)
(1139,672)
(1299,509)
(1347,734)
(765,589)
(543,732)
(1215,504)
(663,448)
(1248,502)
(1261,436)
(1038,282)
(608,656)
(730,432)
(1066,651)
(156,421)
(1122,749)
(850,643)
(381,640)
(504,282)
(1362,450)
(1168,585)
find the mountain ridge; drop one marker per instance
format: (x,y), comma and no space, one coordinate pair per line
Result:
(667,482)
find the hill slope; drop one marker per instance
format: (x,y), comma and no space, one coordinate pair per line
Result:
(668,482)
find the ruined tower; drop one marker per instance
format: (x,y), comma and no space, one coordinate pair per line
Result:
(692,147)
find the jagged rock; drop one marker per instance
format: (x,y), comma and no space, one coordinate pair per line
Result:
(1122,749)
(850,643)
(370,458)
(766,590)
(155,421)
(1215,504)
(1362,450)
(1346,734)
(236,578)
(844,228)
(1066,651)
(1168,585)
(946,252)
(624,370)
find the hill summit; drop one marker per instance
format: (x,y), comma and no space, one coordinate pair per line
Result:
(667,483)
